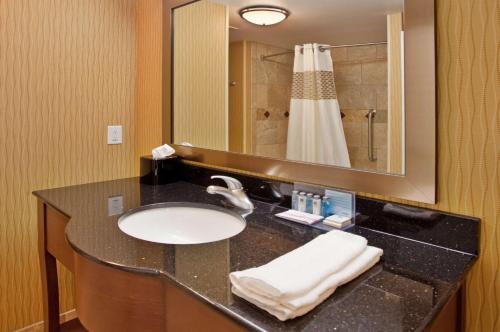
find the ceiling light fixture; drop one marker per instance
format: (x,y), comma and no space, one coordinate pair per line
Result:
(264,15)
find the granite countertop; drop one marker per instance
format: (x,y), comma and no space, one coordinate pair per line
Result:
(404,292)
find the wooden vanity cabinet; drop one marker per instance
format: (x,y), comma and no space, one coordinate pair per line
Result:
(109,299)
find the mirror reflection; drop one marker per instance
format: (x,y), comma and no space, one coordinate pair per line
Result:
(311,81)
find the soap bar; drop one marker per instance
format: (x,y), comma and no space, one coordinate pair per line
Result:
(300,217)
(337,221)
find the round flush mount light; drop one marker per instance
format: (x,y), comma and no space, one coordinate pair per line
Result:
(264,15)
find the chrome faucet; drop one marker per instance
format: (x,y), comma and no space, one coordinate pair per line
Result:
(234,192)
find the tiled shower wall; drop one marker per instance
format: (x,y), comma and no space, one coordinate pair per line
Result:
(271,93)
(361,81)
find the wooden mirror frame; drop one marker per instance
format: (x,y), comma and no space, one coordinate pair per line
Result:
(419,181)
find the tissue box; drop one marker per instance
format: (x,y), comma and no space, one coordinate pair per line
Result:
(162,171)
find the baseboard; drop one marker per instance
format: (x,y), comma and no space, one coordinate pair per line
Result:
(38,327)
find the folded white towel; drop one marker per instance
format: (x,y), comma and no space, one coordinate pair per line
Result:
(297,272)
(301,305)
(163,151)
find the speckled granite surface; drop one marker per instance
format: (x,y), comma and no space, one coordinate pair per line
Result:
(404,292)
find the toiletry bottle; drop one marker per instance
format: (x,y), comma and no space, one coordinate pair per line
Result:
(317,205)
(295,200)
(326,207)
(302,202)
(309,203)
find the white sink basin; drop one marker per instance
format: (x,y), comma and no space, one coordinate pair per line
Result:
(181,223)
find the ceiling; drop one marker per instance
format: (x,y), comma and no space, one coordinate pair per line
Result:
(332,22)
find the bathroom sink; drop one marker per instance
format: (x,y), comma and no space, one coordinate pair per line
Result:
(181,223)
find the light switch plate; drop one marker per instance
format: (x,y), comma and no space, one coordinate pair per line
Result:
(115,135)
(115,205)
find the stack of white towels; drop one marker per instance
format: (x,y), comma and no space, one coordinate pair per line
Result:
(295,283)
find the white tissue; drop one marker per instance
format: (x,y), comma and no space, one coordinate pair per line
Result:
(162,152)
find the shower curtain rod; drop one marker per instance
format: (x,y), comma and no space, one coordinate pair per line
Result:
(322,49)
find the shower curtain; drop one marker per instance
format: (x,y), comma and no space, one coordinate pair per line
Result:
(315,132)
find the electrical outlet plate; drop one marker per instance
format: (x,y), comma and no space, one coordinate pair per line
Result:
(115,135)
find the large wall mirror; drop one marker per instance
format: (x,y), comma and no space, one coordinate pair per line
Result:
(343,88)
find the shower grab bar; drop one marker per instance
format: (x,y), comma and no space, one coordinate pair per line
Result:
(370,115)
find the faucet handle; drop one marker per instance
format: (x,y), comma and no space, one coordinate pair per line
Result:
(232,183)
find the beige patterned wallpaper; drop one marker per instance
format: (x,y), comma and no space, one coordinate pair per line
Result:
(67,70)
